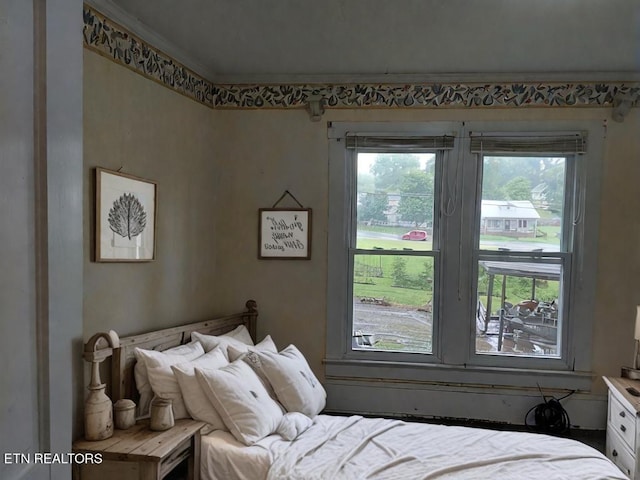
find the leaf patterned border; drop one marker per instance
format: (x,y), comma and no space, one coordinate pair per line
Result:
(123,47)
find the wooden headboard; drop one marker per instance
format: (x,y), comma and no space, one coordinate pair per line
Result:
(123,361)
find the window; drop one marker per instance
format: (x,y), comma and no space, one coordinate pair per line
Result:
(523,274)
(442,253)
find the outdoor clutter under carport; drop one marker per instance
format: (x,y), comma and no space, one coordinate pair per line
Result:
(537,320)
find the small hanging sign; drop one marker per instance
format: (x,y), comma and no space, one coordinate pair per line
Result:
(284,233)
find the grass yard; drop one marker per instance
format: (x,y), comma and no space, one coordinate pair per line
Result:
(382,288)
(374,274)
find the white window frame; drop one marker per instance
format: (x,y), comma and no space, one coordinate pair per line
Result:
(456,360)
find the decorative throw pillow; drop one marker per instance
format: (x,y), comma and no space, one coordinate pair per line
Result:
(241,400)
(248,354)
(266,345)
(237,337)
(195,399)
(154,358)
(293,382)
(252,359)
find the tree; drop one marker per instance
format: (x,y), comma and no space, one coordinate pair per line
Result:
(416,202)
(518,188)
(389,168)
(366,182)
(553,175)
(492,179)
(372,207)
(426,276)
(399,272)
(499,171)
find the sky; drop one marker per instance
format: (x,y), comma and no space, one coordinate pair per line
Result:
(365,160)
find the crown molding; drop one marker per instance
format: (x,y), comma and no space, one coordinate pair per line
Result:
(130,23)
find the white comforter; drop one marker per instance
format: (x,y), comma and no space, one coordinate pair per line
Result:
(353,448)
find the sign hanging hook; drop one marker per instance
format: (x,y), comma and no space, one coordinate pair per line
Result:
(287,192)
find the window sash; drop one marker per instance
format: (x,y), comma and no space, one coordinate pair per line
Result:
(395,355)
(352,250)
(563,257)
(564,260)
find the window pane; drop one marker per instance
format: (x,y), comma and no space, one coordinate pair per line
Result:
(518,308)
(522,203)
(392,299)
(395,200)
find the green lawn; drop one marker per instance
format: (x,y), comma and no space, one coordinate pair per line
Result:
(374,274)
(383,288)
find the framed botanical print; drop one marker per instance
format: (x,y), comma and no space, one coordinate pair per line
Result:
(125,217)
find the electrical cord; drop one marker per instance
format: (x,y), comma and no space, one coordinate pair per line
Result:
(549,416)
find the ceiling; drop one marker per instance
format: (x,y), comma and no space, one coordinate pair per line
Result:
(245,41)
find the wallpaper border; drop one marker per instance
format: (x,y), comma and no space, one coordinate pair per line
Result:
(113,41)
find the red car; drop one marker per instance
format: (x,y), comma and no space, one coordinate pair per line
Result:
(419,235)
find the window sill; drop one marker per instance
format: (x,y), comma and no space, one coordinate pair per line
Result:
(462,375)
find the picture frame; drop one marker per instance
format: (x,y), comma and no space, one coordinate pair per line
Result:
(125,220)
(284,233)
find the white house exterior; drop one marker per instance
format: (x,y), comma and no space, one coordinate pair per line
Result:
(509,217)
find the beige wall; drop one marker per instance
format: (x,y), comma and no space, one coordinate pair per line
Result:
(619,248)
(262,154)
(154,133)
(216,168)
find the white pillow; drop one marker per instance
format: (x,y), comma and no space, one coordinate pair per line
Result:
(236,351)
(195,399)
(241,400)
(154,358)
(293,382)
(237,337)
(293,424)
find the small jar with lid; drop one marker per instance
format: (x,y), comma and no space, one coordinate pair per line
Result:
(161,414)
(124,413)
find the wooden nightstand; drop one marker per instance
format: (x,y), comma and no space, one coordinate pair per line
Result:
(623,425)
(142,454)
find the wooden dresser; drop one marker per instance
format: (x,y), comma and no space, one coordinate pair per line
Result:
(139,453)
(623,425)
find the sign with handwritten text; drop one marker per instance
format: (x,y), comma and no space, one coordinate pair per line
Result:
(285,233)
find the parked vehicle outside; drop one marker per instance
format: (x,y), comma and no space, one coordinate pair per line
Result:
(417,235)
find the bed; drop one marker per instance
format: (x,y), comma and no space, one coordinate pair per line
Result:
(265,418)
